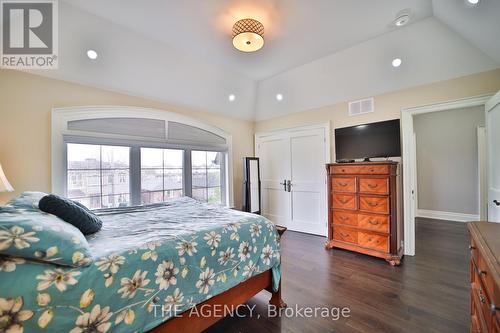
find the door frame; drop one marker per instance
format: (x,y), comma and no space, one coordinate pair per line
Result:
(409,166)
(326,126)
(482,170)
(490,105)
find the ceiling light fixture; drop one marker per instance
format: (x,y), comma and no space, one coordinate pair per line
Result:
(472,3)
(279,97)
(231,98)
(92,54)
(396,62)
(248,35)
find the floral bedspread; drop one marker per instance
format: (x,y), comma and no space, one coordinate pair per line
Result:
(150,263)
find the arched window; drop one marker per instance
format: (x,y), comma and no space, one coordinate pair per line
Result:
(106,157)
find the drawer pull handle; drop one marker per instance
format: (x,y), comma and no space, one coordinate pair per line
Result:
(344,235)
(471,247)
(342,184)
(373,222)
(373,204)
(343,201)
(482,298)
(344,218)
(496,202)
(372,185)
(343,170)
(480,272)
(494,308)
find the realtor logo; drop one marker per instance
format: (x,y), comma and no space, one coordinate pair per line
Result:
(29,34)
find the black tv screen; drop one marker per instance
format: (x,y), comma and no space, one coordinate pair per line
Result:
(380,139)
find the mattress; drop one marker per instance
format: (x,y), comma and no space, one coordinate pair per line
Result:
(150,263)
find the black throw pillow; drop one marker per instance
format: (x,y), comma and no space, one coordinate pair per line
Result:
(72,212)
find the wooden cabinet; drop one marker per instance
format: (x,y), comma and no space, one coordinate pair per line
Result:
(484,276)
(363,209)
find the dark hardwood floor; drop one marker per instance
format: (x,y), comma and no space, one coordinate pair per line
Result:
(427,293)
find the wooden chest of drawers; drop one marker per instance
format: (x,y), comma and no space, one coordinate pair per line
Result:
(485,277)
(363,209)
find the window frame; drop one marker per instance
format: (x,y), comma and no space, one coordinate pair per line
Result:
(135,164)
(222,176)
(101,171)
(163,171)
(61,135)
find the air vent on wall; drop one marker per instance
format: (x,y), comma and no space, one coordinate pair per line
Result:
(360,107)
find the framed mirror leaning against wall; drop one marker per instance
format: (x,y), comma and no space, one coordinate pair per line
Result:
(251,185)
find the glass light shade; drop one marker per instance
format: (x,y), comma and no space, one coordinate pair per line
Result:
(4,183)
(248,35)
(248,42)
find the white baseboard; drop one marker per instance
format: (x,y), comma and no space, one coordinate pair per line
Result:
(449,216)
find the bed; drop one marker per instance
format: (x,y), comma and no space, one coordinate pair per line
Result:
(150,265)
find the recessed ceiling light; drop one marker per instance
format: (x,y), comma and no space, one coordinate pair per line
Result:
(231,98)
(92,54)
(472,2)
(279,97)
(396,62)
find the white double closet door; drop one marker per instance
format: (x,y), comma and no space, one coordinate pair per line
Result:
(292,164)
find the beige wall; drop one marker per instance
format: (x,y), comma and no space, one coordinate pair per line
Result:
(388,106)
(26,102)
(447,160)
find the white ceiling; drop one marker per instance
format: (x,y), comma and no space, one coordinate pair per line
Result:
(430,52)
(479,25)
(296,31)
(317,52)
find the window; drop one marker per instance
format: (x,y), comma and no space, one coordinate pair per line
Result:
(106,176)
(207,175)
(98,176)
(161,174)
(117,156)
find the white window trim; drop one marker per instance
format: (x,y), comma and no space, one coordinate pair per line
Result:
(61,117)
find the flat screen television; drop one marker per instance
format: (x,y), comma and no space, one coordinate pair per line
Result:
(380,139)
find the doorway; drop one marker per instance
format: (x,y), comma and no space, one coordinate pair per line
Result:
(448,185)
(410,169)
(293,177)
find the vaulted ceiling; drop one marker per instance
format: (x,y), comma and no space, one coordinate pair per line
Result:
(317,52)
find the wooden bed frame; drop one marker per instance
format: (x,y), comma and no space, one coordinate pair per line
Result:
(231,298)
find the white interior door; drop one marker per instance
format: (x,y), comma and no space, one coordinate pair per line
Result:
(307,181)
(274,155)
(493,144)
(293,178)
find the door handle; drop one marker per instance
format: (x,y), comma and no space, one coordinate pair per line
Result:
(288,186)
(496,202)
(284,184)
